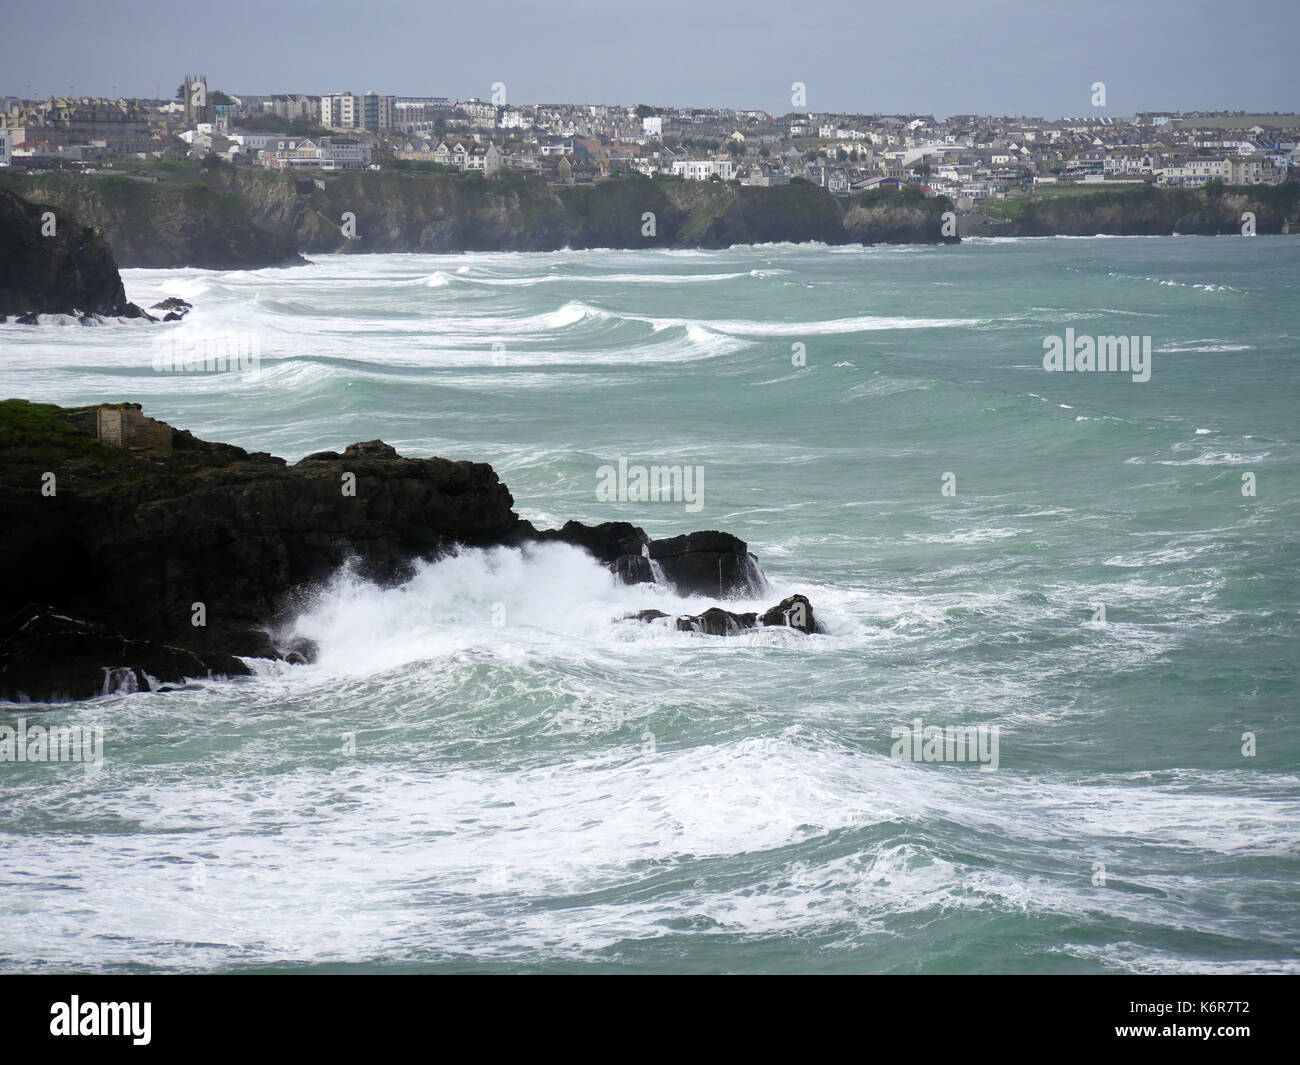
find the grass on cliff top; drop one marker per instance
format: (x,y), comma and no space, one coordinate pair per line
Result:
(138,201)
(32,435)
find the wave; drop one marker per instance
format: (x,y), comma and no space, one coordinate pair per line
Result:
(609,279)
(499,602)
(1166,282)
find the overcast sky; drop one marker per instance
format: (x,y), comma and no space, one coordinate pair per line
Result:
(936,56)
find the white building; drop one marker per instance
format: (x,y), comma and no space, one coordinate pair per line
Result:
(1196,172)
(347,111)
(704,169)
(6,148)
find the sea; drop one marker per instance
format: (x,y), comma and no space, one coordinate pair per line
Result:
(487,769)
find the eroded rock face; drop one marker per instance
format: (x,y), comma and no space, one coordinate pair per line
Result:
(709,563)
(68,271)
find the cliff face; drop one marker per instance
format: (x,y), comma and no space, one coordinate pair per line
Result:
(451,212)
(136,552)
(160,225)
(1146,211)
(70,271)
(905,217)
(246,217)
(228,218)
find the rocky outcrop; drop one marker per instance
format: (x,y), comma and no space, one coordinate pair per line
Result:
(793,612)
(173,308)
(698,563)
(137,554)
(50,263)
(175,541)
(708,563)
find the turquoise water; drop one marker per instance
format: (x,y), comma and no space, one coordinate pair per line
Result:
(486,770)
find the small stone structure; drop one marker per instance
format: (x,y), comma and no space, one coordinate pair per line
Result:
(123,425)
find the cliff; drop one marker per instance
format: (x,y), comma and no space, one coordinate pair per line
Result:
(136,554)
(1143,210)
(183,222)
(884,216)
(396,211)
(225,217)
(69,270)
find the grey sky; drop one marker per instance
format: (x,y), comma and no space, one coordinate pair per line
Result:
(939,56)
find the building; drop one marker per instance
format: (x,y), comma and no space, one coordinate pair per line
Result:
(327,153)
(194,96)
(704,169)
(1194,173)
(347,111)
(118,126)
(483,158)
(295,107)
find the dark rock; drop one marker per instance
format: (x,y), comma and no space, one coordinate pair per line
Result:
(607,541)
(173,303)
(633,569)
(793,612)
(299,650)
(370,449)
(645,615)
(70,272)
(50,657)
(620,545)
(796,612)
(709,563)
(716,622)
